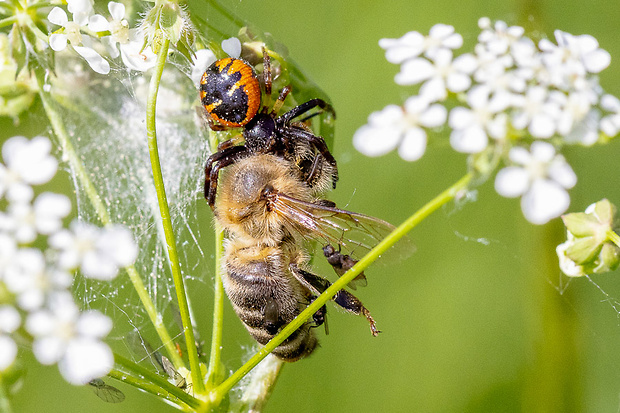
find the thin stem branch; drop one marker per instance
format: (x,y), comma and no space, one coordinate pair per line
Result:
(368,259)
(166,221)
(8,21)
(218,313)
(70,155)
(147,380)
(613,237)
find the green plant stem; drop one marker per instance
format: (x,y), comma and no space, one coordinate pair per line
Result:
(69,154)
(218,313)
(147,380)
(368,259)
(613,237)
(8,21)
(5,404)
(164,211)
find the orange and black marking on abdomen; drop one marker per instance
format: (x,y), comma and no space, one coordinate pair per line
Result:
(230,92)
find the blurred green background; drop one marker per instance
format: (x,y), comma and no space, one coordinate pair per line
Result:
(479,319)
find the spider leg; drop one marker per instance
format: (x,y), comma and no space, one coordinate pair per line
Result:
(281,98)
(317,142)
(216,162)
(235,140)
(305,107)
(267,79)
(343,298)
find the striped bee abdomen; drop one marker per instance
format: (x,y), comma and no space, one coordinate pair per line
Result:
(266,297)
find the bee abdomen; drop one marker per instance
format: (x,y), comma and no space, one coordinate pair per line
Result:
(265,302)
(298,345)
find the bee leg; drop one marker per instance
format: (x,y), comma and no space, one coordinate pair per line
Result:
(217,161)
(343,298)
(320,317)
(270,316)
(341,263)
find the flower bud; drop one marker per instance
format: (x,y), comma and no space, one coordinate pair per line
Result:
(590,248)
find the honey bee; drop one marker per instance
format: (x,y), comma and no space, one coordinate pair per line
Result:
(270,214)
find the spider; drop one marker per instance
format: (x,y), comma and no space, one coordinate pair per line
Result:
(231,95)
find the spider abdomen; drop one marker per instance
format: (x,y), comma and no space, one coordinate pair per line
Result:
(230,92)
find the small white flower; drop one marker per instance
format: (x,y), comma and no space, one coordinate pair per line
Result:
(26,163)
(9,322)
(26,221)
(72,29)
(118,27)
(474,125)
(586,131)
(610,124)
(73,35)
(439,75)
(541,178)
(98,252)
(536,112)
(573,109)
(31,279)
(80,8)
(498,38)
(133,56)
(400,127)
(232,47)
(414,44)
(583,49)
(72,339)
(202,60)
(572,58)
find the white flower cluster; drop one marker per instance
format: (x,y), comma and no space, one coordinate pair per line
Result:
(505,94)
(114,31)
(35,281)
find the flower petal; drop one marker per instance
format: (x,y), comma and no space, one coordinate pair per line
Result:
(232,47)
(544,201)
(413,145)
(469,140)
(134,57)
(414,71)
(94,59)
(512,182)
(98,23)
(58,41)
(92,323)
(117,10)
(85,360)
(58,17)
(376,140)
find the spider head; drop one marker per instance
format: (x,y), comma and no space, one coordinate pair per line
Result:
(260,133)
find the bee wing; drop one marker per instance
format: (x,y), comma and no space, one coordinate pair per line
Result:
(355,233)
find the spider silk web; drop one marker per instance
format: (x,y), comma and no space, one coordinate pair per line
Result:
(105,118)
